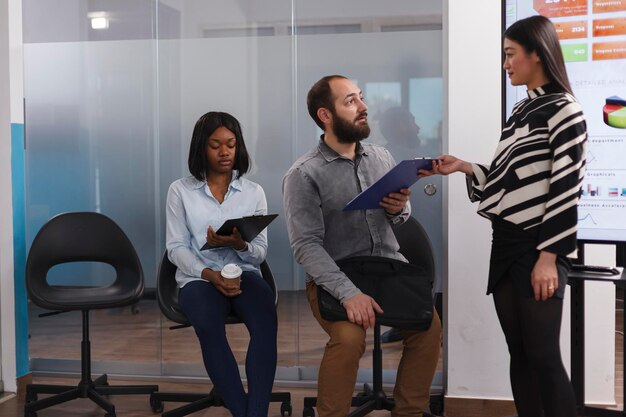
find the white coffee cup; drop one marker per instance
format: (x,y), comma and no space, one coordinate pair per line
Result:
(232,272)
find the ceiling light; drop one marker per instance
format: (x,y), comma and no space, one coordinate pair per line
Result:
(99,23)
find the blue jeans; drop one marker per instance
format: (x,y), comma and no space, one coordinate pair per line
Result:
(206,308)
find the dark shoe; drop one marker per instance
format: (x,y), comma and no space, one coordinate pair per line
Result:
(426,414)
(391,335)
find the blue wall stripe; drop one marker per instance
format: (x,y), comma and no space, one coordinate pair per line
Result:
(19,248)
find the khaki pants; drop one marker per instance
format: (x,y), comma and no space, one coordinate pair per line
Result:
(338,370)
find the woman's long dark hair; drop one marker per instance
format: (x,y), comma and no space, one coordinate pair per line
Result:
(205,126)
(537,34)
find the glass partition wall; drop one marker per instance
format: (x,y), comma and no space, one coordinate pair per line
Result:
(113,89)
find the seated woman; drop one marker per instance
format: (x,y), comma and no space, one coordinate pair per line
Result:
(197,206)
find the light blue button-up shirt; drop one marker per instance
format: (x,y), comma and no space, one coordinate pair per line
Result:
(191,209)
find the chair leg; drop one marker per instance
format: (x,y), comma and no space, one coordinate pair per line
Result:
(367,391)
(286,409)
(86,388)
(309,403)
(436,404)
(202,401)
(372,397)
(207,402)
(364,409)
(31,407)
(101,402)
(178,397)
(367,396)
(102,380)
(196,402)
(33,389)
(126,389)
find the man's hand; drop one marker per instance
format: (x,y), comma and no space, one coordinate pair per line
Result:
(544,278)
(229,289)
(360,309)
(235,240)
(394,203)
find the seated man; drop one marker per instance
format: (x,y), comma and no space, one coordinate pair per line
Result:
(315,190)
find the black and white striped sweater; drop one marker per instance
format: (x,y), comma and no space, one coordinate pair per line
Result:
(536,175)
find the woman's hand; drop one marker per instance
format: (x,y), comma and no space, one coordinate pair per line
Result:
(544,277)
(446,165)
(234,240)
(229,289)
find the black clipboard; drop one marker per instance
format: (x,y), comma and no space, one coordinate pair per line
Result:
(249,227)
(401,176)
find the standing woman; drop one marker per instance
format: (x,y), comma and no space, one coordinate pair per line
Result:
(197,205)
(530,193)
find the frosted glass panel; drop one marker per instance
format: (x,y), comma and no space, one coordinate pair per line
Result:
(252,82)
(383,63)
(84,274)
(400,75)
(90,136)
(109,117)
(90,146)
(227,59)
(426,106)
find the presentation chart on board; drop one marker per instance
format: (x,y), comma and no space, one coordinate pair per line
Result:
(614,112)
(593,41)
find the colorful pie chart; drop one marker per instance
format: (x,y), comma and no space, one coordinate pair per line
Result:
(614,112)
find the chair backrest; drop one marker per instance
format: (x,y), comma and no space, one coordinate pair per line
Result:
(83,237)
(415,244)
(167,291)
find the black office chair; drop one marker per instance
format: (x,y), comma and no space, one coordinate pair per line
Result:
(82,237)
(416,247)
(167,296)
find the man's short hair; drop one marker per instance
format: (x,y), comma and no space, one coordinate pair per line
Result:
(320,96)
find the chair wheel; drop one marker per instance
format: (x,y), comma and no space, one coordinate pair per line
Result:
(308,412)
(436,404)
(156,405)
(286,409)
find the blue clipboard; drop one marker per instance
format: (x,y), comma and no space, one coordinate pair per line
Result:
(401,176)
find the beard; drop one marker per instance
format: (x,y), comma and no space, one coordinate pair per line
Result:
(349,132)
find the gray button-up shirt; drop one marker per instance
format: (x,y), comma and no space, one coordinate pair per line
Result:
(315,190)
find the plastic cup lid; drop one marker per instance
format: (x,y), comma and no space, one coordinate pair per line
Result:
(231,271)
